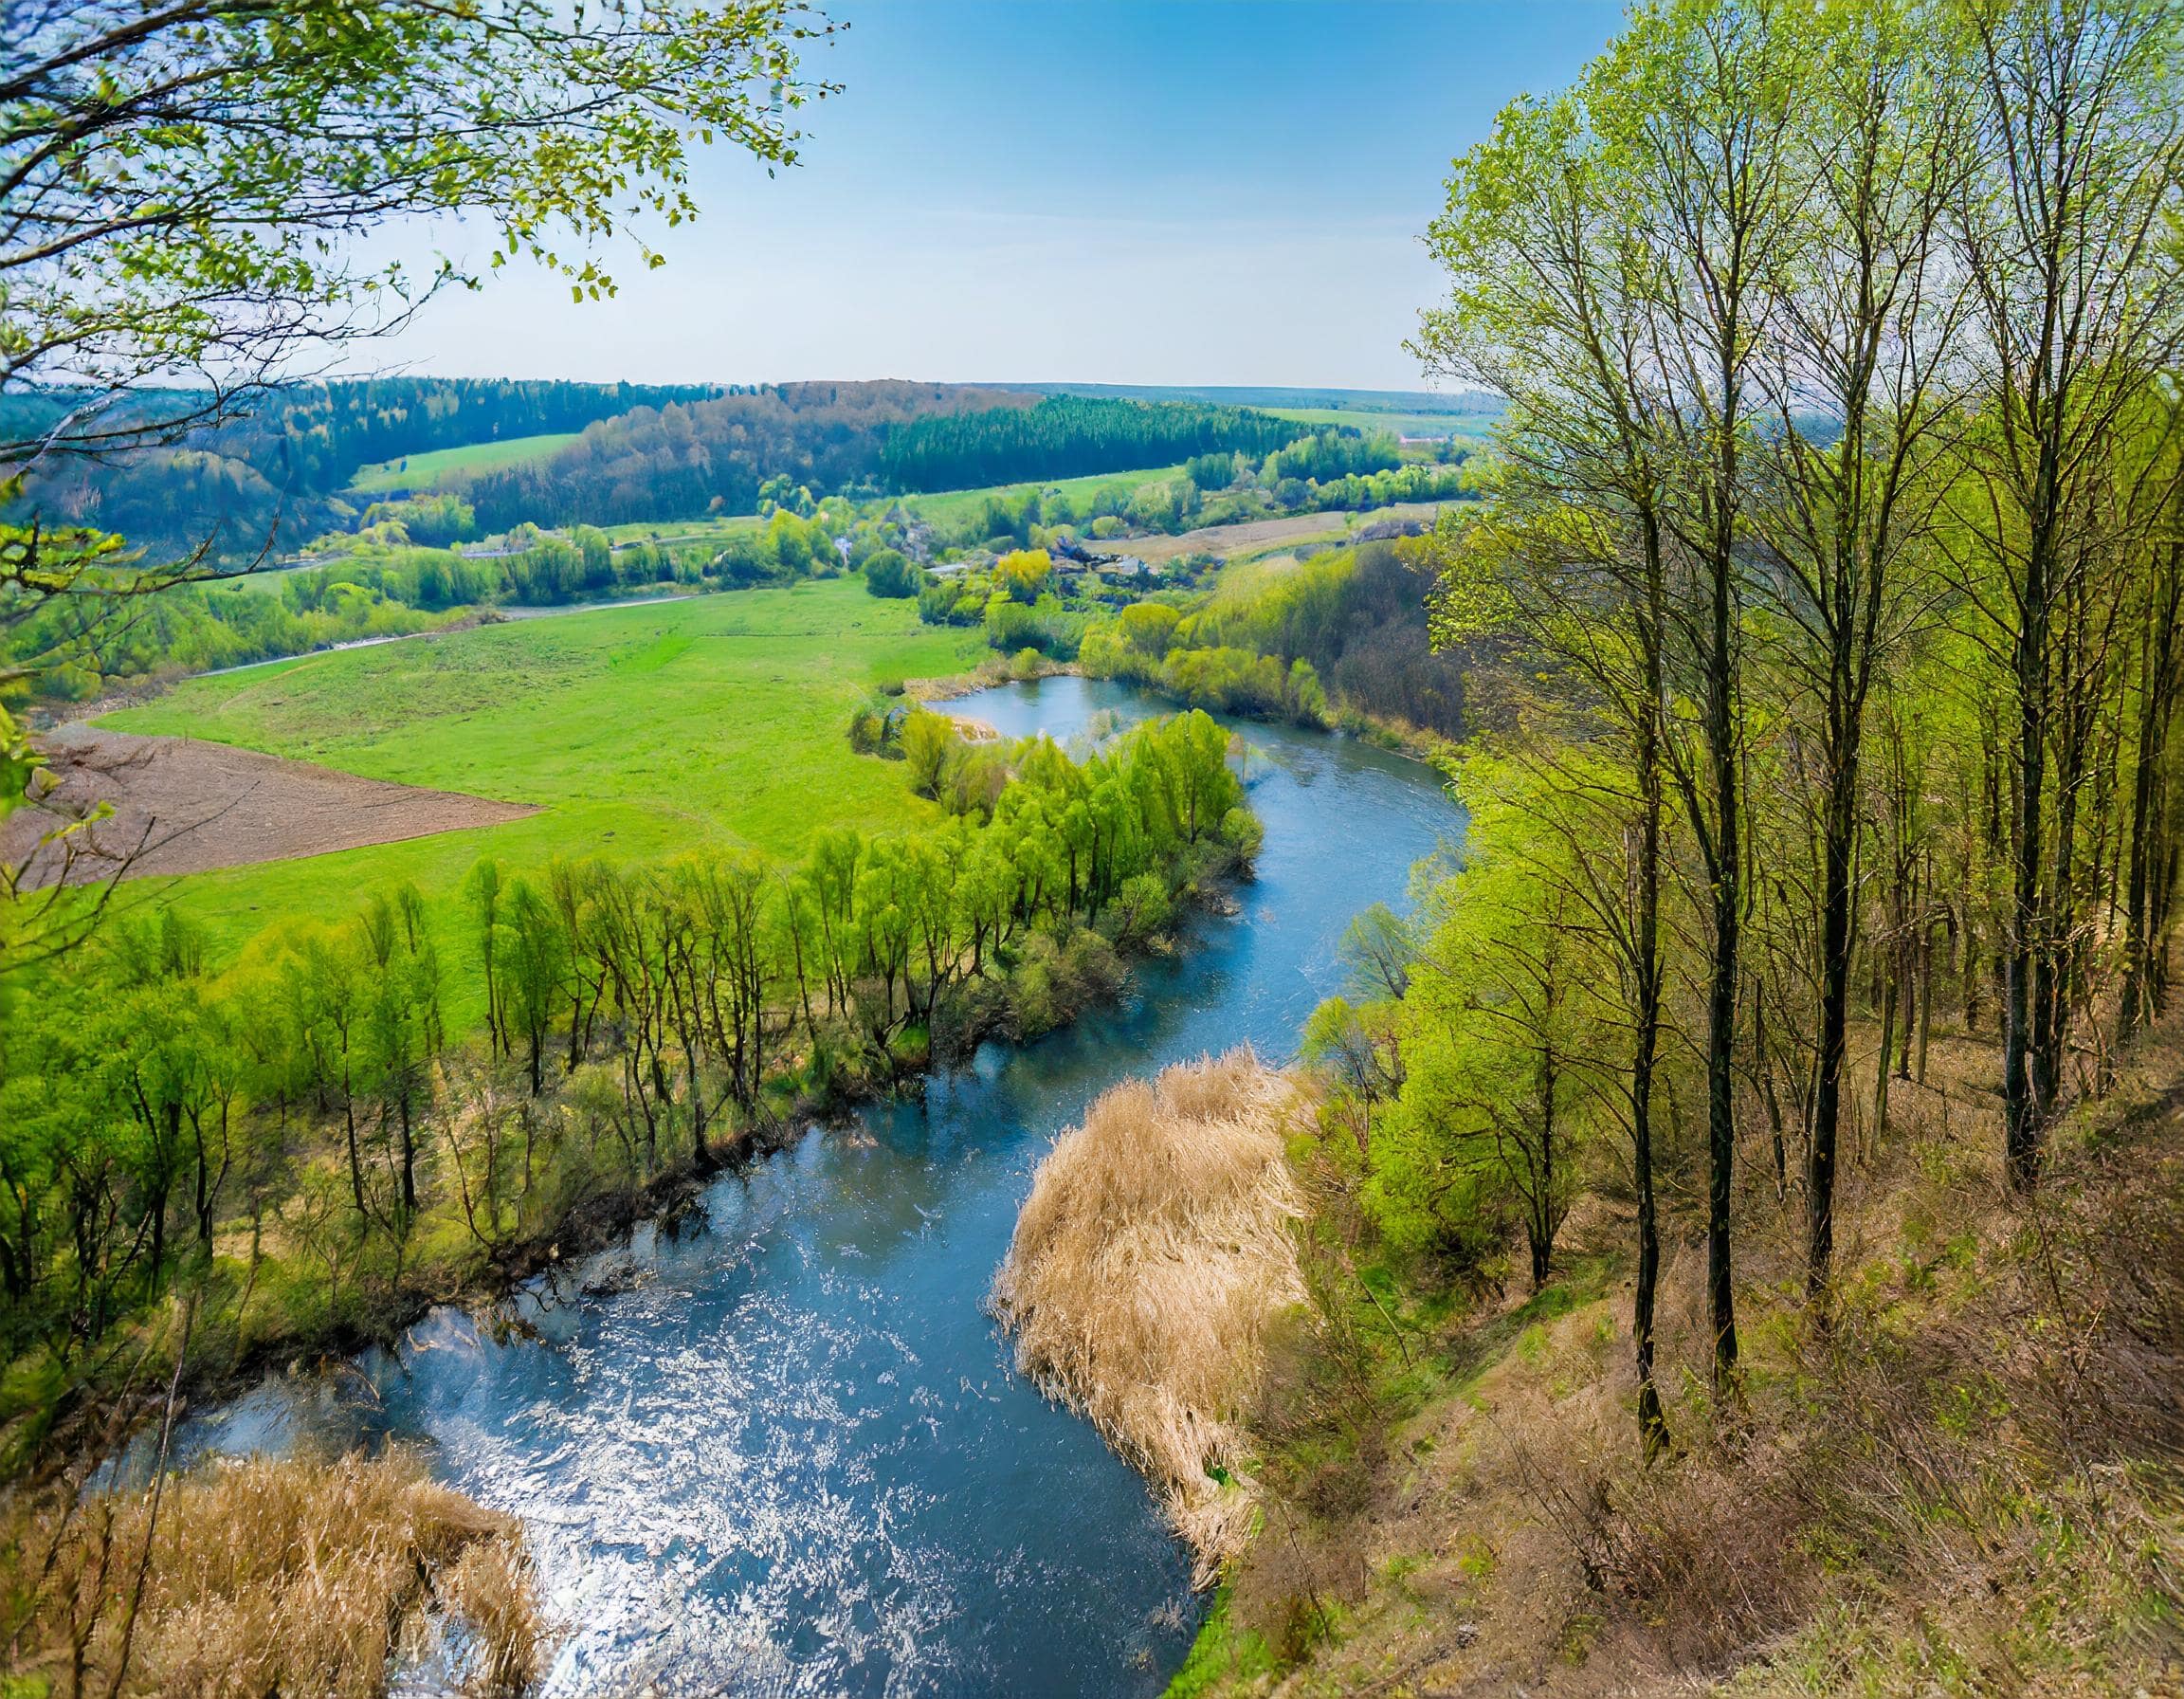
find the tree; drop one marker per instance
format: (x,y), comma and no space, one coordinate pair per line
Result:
(1023,574)
(1497,1035)
(1547,298)
(2079,138)
(929,744)
(1844,511)
(189,191)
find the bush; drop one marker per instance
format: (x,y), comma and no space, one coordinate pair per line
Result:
(1242,832)
(887,573)
(868,730)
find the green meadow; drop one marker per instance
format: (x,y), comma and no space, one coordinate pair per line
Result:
(949,508)
(449,468)
(1374,424)
(719,720)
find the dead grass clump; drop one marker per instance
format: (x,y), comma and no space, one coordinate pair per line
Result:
(1154,1251)
(268,1577)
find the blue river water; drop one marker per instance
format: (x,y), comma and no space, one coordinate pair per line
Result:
(786,1450)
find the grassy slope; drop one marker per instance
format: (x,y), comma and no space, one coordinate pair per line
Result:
(1968,1489)
(449,468)
(641,731)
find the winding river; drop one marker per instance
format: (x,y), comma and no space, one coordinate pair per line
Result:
(786,1452)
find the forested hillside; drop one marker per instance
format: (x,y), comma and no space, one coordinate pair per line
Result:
(271,473)
(711,456)
(1066,436)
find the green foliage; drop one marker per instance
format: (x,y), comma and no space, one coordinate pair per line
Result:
(1498,1037)
(1066,436)
(1327,455)
(433,521)
(887,573)
(1347,627)
(716,455)
(159,1110)
(1024,575)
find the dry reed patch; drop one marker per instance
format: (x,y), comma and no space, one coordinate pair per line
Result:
(1151,1253)
(258,1577)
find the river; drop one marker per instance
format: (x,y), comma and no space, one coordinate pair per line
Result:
(786,1452)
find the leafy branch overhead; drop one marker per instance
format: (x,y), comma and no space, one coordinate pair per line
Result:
(187,187)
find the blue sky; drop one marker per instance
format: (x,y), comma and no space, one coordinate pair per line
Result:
(1189,192)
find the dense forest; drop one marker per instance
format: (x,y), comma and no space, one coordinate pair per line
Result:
(269,474)
(712,456)
(1068,436)
(1339,638)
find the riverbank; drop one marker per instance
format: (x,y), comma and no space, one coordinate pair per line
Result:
(776,1437)
(1397,737)
(678,1018)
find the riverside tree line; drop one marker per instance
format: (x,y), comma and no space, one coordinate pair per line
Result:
(1830,571)
(305,1136)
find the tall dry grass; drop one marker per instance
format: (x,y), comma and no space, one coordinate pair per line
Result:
(1155,1246)
(266,1577)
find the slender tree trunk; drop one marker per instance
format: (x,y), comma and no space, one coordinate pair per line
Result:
(1725,972)
(2157,694)
(1653,1420)
(1838,940)
(2021,1110)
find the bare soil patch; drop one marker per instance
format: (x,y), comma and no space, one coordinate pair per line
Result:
(181,806)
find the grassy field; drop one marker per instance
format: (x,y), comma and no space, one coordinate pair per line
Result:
(449,468)
(952,506)
(639,731)
(702,530)
(1254,538)
(1459,424)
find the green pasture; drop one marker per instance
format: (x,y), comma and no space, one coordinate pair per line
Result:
(1374,424)
(449,468)
(949,508)
(715,528)
(641,732)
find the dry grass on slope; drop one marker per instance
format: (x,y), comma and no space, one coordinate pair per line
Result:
(1971,1485)
(268,1577)
(1154,1251)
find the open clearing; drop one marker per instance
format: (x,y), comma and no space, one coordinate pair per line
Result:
(639,731)
(953,506)
(449,468)
(1462,426)
(181,806)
